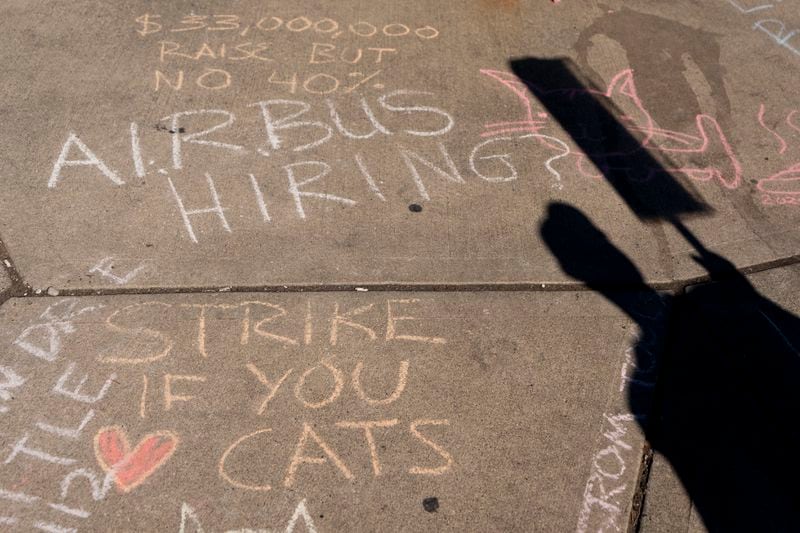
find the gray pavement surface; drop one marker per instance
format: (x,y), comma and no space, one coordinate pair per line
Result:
(125,121)
(361,407)
(385,266)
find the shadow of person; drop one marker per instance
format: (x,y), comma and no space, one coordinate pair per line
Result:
(727,404)
(586,254)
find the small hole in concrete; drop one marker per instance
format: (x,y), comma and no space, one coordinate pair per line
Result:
(431,504)
(415,208)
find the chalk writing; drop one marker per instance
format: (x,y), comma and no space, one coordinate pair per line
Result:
(298,458)
(143,351)
(89,159)
(783,183)
(774,28)
(35,501)
(105,266)
(65,432)
(297,126)
(259,41)
(190,519)
(22,447)
(75,393)
(397,323)
(296,395)
(778,137)
(782,188)
(749,9)
(776,199)
(708,136)
(148,360)
(43,338)
(286,130)
(11,380)
(313,448)
(149,24)
(38,446)
(170,397)
(602,506)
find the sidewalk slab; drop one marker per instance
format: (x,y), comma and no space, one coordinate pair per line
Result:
(397,147)
(403,412)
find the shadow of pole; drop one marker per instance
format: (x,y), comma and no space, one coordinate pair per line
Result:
(727,403)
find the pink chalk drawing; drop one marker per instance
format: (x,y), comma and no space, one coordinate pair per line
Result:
(783,187)
(707,138)
(790,122)
(785,182)
(521,91)
(783,144)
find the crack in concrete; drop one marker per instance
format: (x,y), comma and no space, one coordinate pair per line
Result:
(18,285)
(22,289)
(637,504)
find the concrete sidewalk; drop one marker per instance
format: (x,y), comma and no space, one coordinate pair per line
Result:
(364,407)
(388,266)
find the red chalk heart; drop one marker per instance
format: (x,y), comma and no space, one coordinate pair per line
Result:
(132,467)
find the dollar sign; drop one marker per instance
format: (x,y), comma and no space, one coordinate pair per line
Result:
(148,25)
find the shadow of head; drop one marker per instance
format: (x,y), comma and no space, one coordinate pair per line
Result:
(583,251)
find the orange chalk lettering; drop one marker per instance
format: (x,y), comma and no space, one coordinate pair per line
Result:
(170,48)
(439,470)
(169,397)
(272,389)
(147,337)
(258,328)
(392,320)
(398,389)
(299,459)
(368,427)
(338,385)
(221,466)
(345,319)
(160,77)
(320,53)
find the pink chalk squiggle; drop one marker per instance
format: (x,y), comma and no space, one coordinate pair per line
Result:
(622,88)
